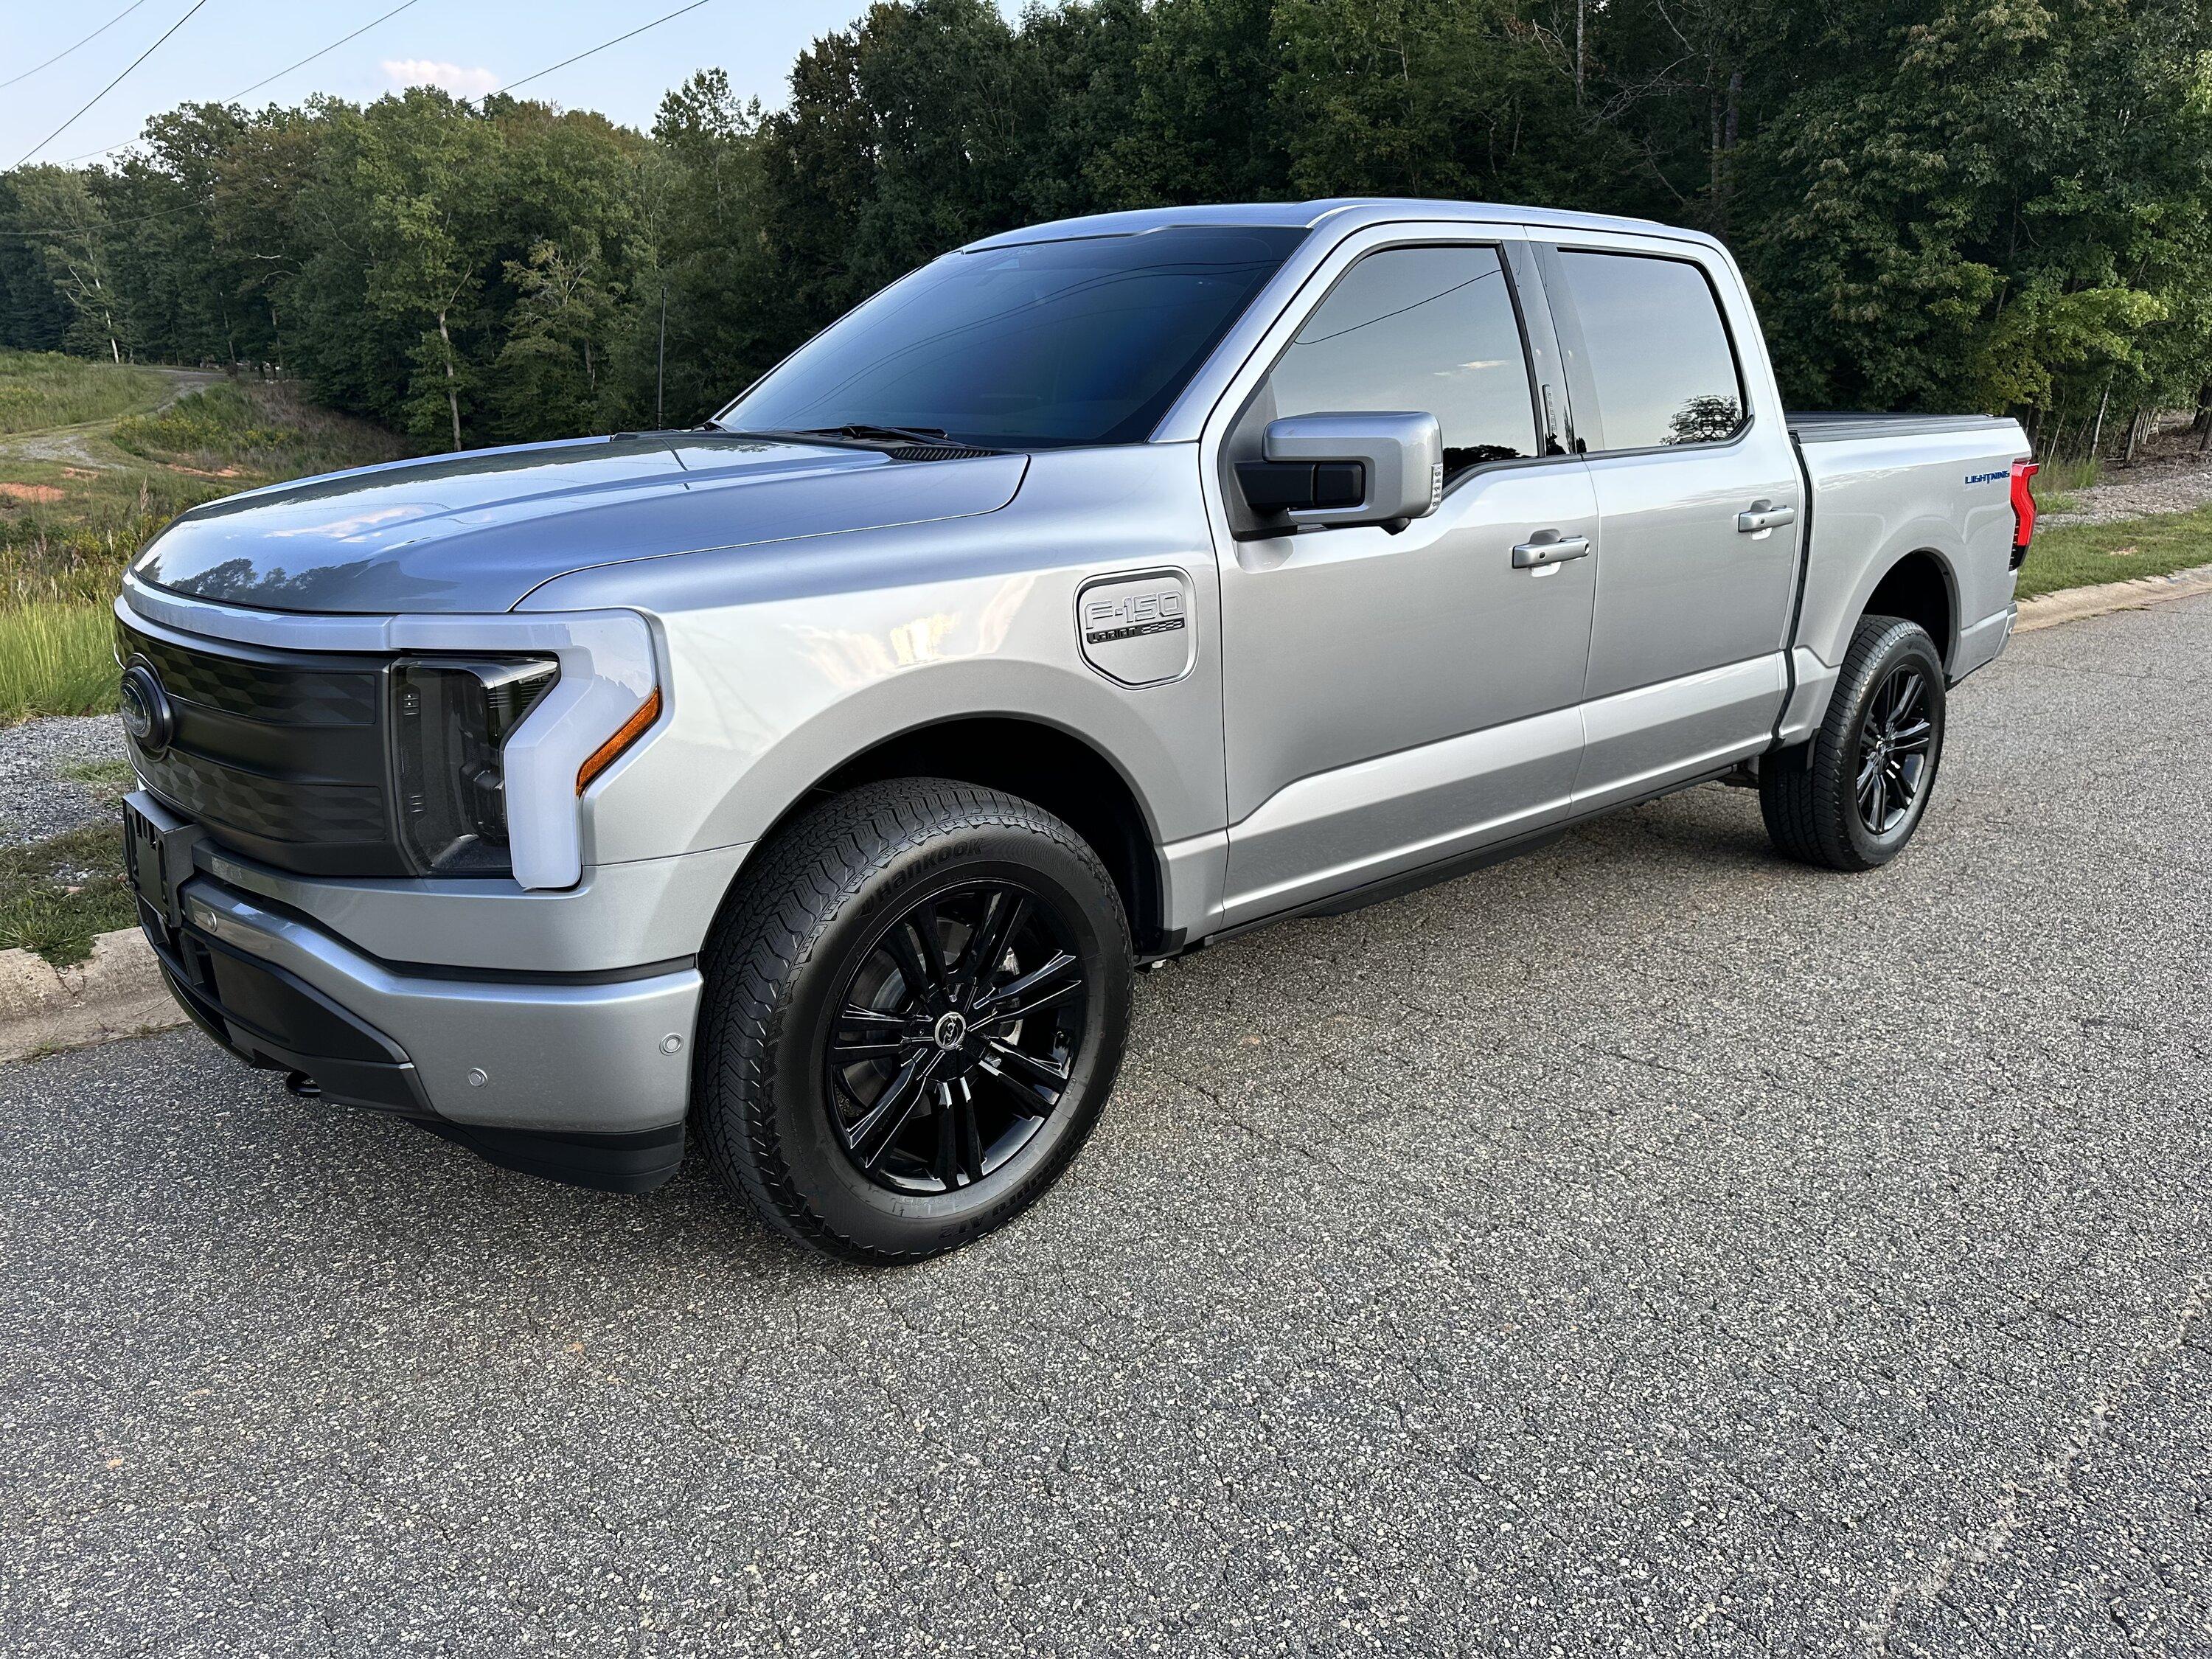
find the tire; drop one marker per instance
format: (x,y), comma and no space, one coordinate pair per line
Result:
(1819,804)
(840,1086)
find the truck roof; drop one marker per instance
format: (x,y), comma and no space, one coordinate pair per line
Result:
(1347,211)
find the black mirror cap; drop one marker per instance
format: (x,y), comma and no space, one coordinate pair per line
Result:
(1272,487)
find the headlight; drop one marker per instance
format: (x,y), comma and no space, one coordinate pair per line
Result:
(450,723)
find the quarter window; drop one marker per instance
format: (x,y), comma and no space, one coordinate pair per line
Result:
(1657,353)
(1429,330)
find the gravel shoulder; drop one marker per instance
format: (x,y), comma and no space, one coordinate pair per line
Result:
(1644,1246)
(2176,478)
(38,799)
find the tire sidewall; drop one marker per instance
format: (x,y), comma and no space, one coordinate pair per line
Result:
(1909,643)
(875,1220)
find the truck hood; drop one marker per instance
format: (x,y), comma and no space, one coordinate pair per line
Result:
(476,531)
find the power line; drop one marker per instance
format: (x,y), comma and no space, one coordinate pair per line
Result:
(303,63)
(535,75)
(66,50)
(541,74)
(47,230)
(112,85)
(311,56)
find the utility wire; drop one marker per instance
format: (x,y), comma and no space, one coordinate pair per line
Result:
(541,74)
(66,50)
(112,85)
(111,149)
(57,230)
(537,75)
(311,56)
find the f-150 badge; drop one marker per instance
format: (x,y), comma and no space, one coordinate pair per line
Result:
(1136,630)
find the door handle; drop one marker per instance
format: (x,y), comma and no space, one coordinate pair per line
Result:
(1763,517)
(1549,547)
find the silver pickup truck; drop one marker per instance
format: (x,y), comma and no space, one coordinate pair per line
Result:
(818,779)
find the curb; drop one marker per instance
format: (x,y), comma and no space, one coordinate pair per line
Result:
(2074,604)
(118,993)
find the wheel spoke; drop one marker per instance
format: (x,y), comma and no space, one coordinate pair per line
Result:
(1046,977)
(1043,1000)
(851,1054)
(959,1159)
(1910,690)
(855,1015)
(1028,1101)
(1869,779)
(1003,913)
(1027,1071)
(872,1137)
(914,946)
(1912,738)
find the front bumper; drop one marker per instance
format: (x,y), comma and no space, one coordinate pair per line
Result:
(582,1078)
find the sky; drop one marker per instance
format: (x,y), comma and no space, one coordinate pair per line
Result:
(467,46)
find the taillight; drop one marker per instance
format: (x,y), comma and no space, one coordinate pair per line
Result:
(2023,510)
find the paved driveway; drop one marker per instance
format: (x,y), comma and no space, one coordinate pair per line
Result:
(1644,1247)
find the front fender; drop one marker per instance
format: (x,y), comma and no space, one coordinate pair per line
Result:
(769,699)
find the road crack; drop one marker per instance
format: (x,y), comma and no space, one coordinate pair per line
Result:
(1933,1587)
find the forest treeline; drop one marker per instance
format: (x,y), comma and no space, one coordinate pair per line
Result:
(2000,205)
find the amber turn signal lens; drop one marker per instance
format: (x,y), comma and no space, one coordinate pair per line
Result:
(611,751)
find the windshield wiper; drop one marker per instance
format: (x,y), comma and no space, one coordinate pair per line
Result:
(856,436)
(867,432)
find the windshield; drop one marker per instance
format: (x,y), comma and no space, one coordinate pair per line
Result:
(1085,342)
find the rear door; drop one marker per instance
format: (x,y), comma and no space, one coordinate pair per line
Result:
(1699,507)
(1391,701)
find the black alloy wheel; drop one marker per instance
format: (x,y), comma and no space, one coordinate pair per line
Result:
(1895,743)
(916,999)
(1852,795)
(955,1037)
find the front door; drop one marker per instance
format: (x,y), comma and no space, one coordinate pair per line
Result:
(1392,700)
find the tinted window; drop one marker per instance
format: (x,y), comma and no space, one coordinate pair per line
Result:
(1426,329)
(1656,350)
(1081,342)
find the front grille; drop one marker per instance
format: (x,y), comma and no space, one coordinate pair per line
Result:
(280,696)
(279,756)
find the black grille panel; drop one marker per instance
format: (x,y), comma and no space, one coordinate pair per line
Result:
(282,809)
(278,756)
(279,697)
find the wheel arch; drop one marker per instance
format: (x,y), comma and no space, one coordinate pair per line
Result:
(1922,587)
(1040,760)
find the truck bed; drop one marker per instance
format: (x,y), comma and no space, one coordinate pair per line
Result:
(1881,488)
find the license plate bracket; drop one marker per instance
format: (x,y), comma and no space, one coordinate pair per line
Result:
(157,847)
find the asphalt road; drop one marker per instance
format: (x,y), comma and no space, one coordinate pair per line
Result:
(1646,1246)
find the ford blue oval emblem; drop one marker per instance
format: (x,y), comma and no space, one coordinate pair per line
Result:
(147,716)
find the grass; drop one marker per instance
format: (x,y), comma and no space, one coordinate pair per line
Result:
(2080,554)
(2056,482)
(57,657)
(42,390)
(252,433)
(113,778)
(75,505)
(56,895)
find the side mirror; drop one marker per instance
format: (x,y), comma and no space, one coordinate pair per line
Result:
(1335,471)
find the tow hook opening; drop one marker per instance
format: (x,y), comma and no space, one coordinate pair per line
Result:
(300,1084)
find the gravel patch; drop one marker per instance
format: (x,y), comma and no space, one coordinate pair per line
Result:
(2177,480)
(38,798)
